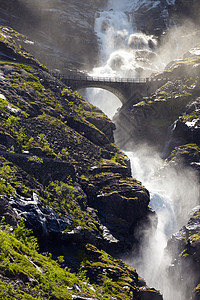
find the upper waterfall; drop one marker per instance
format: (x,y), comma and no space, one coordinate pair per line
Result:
(124,52)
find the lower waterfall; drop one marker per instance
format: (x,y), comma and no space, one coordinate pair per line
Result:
(174,193)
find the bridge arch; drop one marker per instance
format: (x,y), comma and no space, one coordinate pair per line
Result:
(124,88)
(100,85)
(103,99)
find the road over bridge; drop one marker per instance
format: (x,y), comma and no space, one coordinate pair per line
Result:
(124,88)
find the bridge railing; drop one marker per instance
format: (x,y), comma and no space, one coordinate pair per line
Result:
(106,79)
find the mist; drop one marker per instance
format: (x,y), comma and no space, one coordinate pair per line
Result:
(175,43)
(174,192)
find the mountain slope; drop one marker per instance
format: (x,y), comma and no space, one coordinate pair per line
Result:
(62,174)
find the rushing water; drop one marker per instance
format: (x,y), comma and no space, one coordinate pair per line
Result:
(123,51)
(127,53)
(173,195)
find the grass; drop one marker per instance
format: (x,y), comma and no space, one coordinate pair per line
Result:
(43,277)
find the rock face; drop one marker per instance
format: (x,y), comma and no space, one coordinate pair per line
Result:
(61,34)
(150,119)
(185,9)
(185,248)
(152,17)
(62,175)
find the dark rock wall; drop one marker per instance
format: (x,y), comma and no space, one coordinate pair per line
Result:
(184,246)
(183,10)
(63,32)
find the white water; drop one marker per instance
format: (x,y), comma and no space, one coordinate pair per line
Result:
(173,195)
(127,53)
(123,51)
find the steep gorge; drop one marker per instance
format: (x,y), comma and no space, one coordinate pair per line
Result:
(62,174)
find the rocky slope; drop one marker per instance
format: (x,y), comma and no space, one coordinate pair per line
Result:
(174,104)
(63,176)
(185,248)
(60,34)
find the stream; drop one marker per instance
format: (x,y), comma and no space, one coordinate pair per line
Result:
(127,53)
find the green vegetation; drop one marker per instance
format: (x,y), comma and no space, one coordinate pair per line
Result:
(63,154)
(45,145)
(190,117)
(35,159)
(13,40)
(185,151)
(7,176)
(3,105)
(44,278)
(56,123)
(109,276)
(66,199)
(197,290)
(195,238)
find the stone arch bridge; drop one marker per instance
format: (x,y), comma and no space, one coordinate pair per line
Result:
(124,88)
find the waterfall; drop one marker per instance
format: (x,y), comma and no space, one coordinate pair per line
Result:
(123,51)
(173,194)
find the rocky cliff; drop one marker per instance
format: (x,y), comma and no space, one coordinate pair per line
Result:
(169,110)
(185,246)
(60,34)
(63,176)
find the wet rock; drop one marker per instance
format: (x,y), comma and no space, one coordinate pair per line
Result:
(8,142)
(121,201)
(185,250)
(188,155)
(43,220)
(100,266)
(183,9)
(79,235)
(7,213)
(152,17)
(151,295)
(185,130)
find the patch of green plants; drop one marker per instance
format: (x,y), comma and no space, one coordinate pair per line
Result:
(82,111)
(109,275)
(19,258)
(11,124)
(13,40)
(195,238)
(190,117)
(63,154)
(184,150)
(7,177)
(197,290)
(72,95)
(45,145)
(3,105)
(35,159)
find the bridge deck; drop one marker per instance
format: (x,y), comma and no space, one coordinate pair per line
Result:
(107,79)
